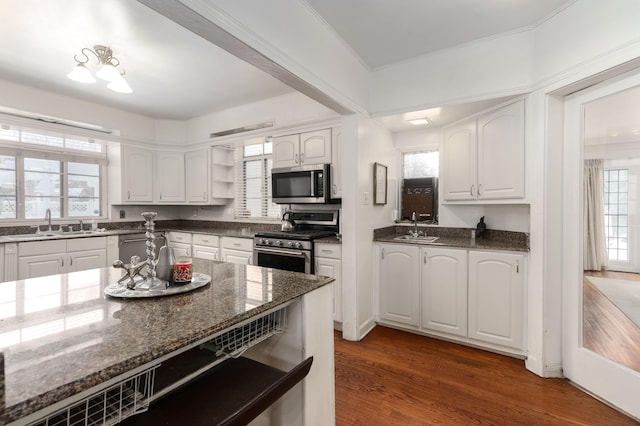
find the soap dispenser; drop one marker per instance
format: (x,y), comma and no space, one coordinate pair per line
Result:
(481,227)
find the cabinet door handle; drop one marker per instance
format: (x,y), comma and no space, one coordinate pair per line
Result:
(296,159)
(161,195)
(479,189)
(471,190)
(517,266)
(128,195)
(204,195)
(302,157)
(70,261)
(382,253)
(424,259)
(62,262)
(335,189)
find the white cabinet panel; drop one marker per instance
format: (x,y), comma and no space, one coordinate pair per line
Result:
(286,151)
(84,260)
(40,265)
(237,250)
(137,175)
(170,177)
(399,283)
(328,263)
(496,298)
(37,259)
(459,162)
(444,290)
(197,176)
(501,153)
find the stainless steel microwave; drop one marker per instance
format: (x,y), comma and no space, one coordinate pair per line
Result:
(301,184)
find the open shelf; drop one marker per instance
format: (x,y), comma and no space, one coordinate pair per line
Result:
(232,393)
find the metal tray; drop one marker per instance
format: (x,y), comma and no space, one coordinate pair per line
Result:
(121,290)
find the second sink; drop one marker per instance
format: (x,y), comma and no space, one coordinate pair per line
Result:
(420,238)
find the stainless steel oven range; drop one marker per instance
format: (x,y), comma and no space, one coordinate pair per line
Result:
(293,250)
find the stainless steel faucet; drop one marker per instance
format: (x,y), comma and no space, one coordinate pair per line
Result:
(47,217)
(414,219)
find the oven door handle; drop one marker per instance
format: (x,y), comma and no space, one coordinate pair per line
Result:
(285,253)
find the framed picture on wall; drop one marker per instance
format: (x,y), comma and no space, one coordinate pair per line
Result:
(379,184)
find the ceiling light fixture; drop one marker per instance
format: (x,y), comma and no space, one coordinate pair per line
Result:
(420,121)
(108,71)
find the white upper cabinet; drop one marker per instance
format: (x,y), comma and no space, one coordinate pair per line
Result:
(302,149)
(131,175)
(501,153)
(459,168)
(197,176)
(483,159)
(170,177)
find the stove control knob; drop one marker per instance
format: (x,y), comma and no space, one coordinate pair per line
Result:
(279,243)
(298,244)
(290,244)
(261,241)
(267,242)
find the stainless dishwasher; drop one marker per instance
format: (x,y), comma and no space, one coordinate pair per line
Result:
(136,245)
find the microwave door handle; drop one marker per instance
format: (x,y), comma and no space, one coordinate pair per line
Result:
(313,183)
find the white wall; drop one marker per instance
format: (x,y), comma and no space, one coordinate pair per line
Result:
(287,111)
(483,69)
(365,142)
(131,126)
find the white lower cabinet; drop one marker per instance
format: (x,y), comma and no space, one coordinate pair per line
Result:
(399,278)
(328,263)
(37,259)
(469,295)
(180,242)
(443,282)
(206,246)
(237,250)
(496,298)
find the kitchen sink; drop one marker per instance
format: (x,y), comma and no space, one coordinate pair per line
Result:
(419,239)
(49,235)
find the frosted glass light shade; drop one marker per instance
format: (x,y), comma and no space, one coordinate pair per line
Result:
(108,72)
(120,85)
(81,74)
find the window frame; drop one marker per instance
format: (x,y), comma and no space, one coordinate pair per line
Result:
(241,160)
(20,153)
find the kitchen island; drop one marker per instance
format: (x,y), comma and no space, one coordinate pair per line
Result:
(64,341)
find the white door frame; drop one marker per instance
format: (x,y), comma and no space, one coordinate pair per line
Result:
(608,380)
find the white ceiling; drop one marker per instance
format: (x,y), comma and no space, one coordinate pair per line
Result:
(178,75)
(382,32)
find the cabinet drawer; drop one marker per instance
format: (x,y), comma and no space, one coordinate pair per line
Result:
(42,247)
(206,240)
(245,244)
(333,251)
(81,244)
(179,237)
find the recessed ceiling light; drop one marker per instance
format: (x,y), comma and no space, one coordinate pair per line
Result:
(420,121)
(635,131)
(614,135)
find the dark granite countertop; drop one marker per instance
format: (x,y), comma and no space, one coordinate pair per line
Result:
(60,335)
(457,238)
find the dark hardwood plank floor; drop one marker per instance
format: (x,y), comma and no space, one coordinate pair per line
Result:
(607,330)
(397,378)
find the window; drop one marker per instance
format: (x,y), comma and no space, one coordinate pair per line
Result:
(616,192)
(40,172)
(419,192)
(253,182)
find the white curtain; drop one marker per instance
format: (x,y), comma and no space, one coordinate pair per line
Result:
(595,247)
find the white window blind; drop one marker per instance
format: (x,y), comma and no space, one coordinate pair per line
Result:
(253,182)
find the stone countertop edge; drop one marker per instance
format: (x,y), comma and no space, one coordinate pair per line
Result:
(48,383)
(458,238)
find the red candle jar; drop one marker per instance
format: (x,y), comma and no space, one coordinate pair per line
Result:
(183,270)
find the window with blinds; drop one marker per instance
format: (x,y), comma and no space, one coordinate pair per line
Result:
(253,182)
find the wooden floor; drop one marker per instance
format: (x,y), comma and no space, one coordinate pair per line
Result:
(607,330)
(397,378)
